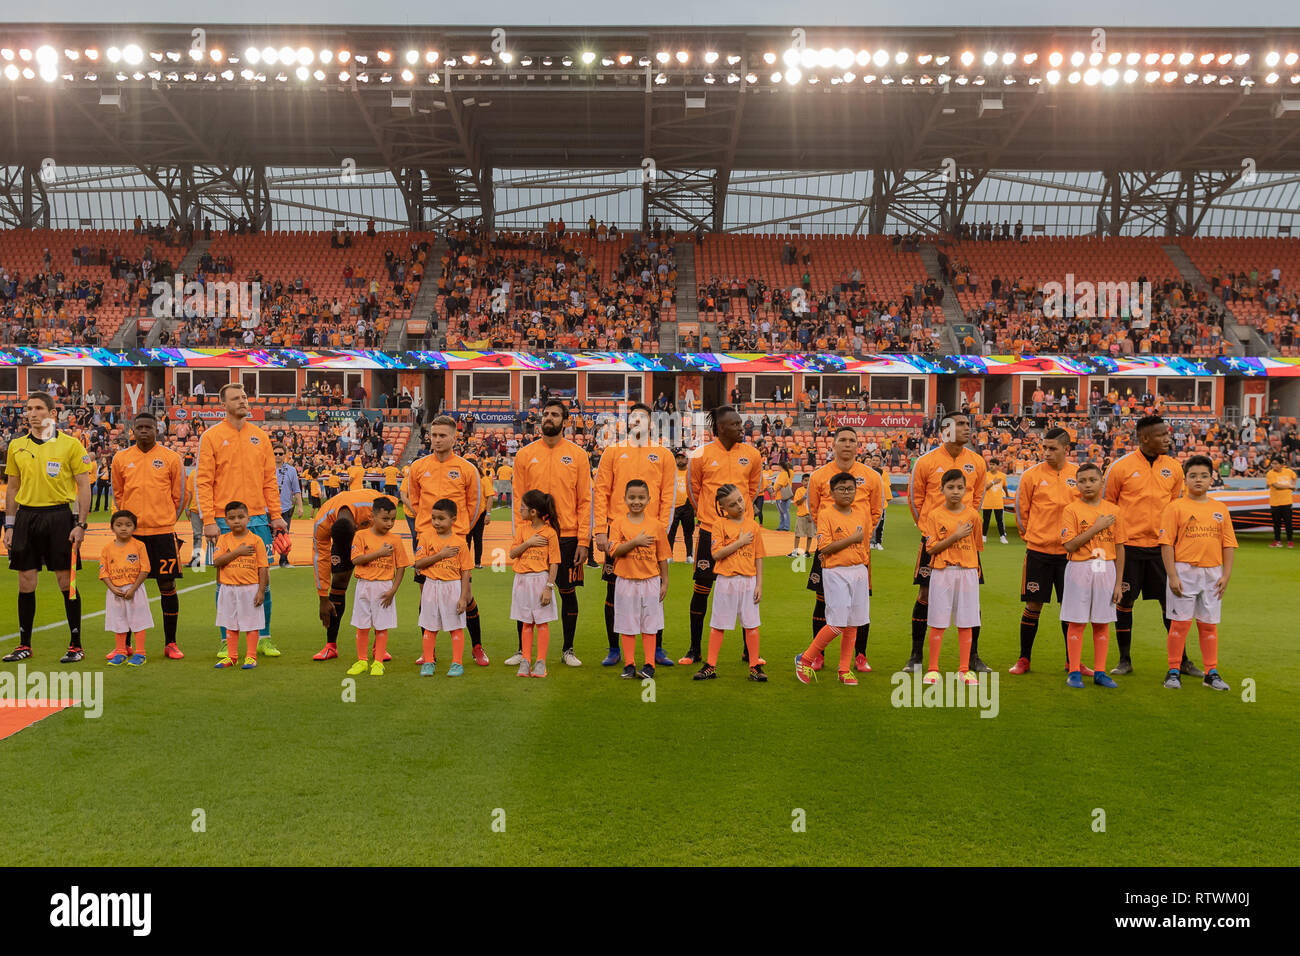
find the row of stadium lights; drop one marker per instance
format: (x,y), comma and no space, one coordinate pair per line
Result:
(1091,69)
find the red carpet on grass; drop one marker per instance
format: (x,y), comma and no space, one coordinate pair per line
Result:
(14,718)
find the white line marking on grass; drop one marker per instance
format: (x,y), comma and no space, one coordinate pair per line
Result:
(86,617)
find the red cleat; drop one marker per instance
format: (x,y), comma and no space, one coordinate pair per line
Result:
(173,652)
(387,657)
(819,662)
(1085,670)
(113,653)
(860,664)
(326,653)
(1020,667)
(480,656)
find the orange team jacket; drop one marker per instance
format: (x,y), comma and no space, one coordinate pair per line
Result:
(1142,489)
(564,473)
(382,568)
(868,501)
(940,523)
(833,526)
(619,464)
(740,562)
(1041,498)
(242,570)
(236,466)
(1079,516)
(430,480)
(121,564)
(356,478)
(151,485)
(445,569)
(642,562)
(360,504)
(925,490)
(535,559)
(711,468)
(1198,531)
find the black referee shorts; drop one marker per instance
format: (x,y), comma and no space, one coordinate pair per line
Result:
(1041,573)
(704,559)
(1144,575)
(569,575)
(164,562)
(41,539)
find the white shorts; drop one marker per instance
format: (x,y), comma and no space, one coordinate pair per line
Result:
(526,599)
(126,617)
(847,594)
(637,609)
(733,596)
(1200,602)
(367,611)
(954,597)
(1087,594)
(438,606)
(235,608)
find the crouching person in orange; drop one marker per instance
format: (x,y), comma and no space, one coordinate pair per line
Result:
(380,557)
(444,558)
(738,564)
(240,560)
(954,544)
(337,522)
(535,552)
(638,545)
(123,567)
(1093,536)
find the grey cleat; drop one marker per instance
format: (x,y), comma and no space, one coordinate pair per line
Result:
(1215,682)
(1172,681)
(1125,666)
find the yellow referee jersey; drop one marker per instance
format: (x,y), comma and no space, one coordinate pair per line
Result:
(48,469)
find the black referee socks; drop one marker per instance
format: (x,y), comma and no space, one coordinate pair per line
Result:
(72,607)
(26,616)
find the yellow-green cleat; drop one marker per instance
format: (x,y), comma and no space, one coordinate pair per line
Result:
(266,648)
(360,667)
(377,669)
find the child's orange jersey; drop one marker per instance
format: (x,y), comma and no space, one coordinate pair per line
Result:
(1079,516)
(536,559)
(1041,498)
(356,477)
(711,468)
(963,553)
(925,490)
(834,526)
(1280,476)
(995,490)
(243,569)
(120,564)
(382,568)
(1197,530)
(740,562)
(151,485)
(868,501)
(1142,489)
(445,569)
(643,562)
(391,474)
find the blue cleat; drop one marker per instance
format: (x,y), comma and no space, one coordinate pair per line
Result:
(662,659)
(428,670)
(455,670)
(614,659)
(116,659)
(1075,680)
(1102,679)
(136,660)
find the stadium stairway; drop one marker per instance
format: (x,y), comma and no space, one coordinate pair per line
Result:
(952,316)
(687,304)
(425,303)
(124,337)
(189,266)
(1242,339)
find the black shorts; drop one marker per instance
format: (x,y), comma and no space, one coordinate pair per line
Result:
(569,575)
(164,562)
(1040,573)
(341,536)
(1144,575)
(921,573)
(41,539)
(704,559)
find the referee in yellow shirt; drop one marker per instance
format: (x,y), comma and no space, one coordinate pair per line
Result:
(49,474)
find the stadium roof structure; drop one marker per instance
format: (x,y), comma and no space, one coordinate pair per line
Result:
(1174,119)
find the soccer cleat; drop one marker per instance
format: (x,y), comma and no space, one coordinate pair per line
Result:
(803,671)
(912,666)
(819,662)
(525,668)
(539,667)
(222,650)
(456,670)
(860,664)
(225,662)
(1074,680)
(931,677)
(116,659)
(479,655)
(174,652)
(249,664)
(1215,682)
(1101,679)
(326,653)
(662,659)
(377,669)
(847,678)
(629,672)
(427,670)
(978,666)
(647,672)
(514,659)
(20,653)
(970,677)
(360,667)
(1125,666)
(613,658)
(386,658)
(1171,679)
(1002,538)
(264,646)
(1276,544)
(1190,669)
(114,652)
(136,660)
(1291,545)
(707,672)
(570,658)
(74,654)
(1086,671)
(1021,666)
(756,674)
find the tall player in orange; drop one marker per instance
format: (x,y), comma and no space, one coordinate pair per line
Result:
(924,494)
(725,460)
(337,521)
(621,462)
(149,481)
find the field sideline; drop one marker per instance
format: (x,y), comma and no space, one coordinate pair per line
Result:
(586,772)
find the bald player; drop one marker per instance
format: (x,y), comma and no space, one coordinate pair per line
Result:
(868,505)
(924,494)
(337,521)
(149,481)
(236,463)
(1044,491)
(560,468)
(621,462)
(1142,484)
(725,460)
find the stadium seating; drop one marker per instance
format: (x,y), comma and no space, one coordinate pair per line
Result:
(1240,270)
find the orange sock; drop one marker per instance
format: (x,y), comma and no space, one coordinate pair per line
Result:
(543,640)
(1100,646)
(120,646)
(526,642)
(715,645)
(429,645)
(1177,642)
(846,648)
(628,643)
(137,642)
(936,642)
(250,644)
(827,634)
(1208,635)
(381,644)
(648,642)
(964,640)
(232,644)
(457,645)
(1074,644)
(751,645)
(363,644)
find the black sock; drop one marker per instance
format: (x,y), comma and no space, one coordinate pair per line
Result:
(860,641)
(699,604)
(26,616)
(1028,631)
(171,608)
(72,608)
(659,639)
(473,624)
(609,617)
(819,616)
(920,626)
(569,616)
(975,643)
(519,634)
(338,604)
(1065,634)
(1124,630)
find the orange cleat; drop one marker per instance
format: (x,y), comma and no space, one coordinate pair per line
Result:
(173,652)
(326,653)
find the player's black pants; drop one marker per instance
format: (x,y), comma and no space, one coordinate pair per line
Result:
(685,517)
(1281,520)
(475,537)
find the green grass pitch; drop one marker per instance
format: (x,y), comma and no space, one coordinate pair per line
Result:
(582,770)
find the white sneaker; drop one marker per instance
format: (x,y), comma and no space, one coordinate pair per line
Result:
(1003,538)
(515,659)
(571,658)
(793,554)
(986,539)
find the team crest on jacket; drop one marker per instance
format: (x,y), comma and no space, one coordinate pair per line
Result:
(254,440)
(157,463)
(743,461)
(1166,473)
(454,473)
(653,458)
(566,460)
(859,480)
(1071,482)
(968,468)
